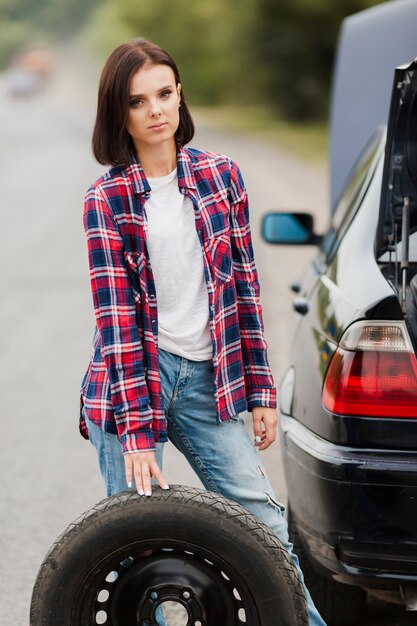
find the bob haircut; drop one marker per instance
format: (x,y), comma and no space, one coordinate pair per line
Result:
(111,142)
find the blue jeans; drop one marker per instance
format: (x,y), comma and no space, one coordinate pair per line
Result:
(222,455)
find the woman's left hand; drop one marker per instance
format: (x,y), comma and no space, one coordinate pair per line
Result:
(265,422)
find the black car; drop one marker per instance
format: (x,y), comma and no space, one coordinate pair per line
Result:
(348,399)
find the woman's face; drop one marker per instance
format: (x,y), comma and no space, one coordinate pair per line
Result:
(154,106)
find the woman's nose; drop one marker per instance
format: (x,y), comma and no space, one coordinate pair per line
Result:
(155,108)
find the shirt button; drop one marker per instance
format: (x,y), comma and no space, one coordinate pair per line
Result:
(152,296)
(153,321)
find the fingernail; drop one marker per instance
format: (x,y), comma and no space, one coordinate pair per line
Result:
(129,485)
(148,493)
(165,487)
(141,492)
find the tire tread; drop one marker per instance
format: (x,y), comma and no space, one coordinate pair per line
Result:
(181,495)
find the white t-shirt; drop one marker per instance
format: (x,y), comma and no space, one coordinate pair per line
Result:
(178,269)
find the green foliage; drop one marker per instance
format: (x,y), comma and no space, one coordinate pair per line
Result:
(296,44)
(273,53)
(24,23)
(268,52)
(209,39)
(13,38)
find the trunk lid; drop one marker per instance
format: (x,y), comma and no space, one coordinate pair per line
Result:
(371,45)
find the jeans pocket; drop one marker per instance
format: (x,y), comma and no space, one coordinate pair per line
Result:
(272,501)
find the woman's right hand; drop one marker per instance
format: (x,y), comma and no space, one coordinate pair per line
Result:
(142,466)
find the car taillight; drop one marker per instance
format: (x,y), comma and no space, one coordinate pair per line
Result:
(373,372)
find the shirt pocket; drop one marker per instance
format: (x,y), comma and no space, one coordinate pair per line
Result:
(220,250)
(136,264)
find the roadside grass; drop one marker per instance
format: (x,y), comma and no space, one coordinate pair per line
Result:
(308,141)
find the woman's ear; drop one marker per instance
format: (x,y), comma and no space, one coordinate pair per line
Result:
(179,90)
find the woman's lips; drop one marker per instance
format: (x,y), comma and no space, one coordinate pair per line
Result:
(158,126)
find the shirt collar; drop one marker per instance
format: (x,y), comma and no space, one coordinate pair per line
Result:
(185,169)
(185,173)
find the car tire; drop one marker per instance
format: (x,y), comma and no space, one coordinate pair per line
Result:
(338,604)
(128,554)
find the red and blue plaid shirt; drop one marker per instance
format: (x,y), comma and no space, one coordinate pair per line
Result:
(121,389)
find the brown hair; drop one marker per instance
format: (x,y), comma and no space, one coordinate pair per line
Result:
(111,142)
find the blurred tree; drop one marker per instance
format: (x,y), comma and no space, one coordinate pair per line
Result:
(228,51)
(295,43)
(23,23)
(246,51)
(210,40)
(12,32)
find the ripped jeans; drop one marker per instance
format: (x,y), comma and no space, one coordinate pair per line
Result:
(222,455)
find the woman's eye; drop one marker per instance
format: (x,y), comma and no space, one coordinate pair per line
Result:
(165,94)
(136,102)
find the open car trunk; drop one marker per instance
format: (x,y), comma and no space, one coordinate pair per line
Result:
(396,243)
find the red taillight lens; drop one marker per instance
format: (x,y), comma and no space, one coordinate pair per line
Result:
(373,372)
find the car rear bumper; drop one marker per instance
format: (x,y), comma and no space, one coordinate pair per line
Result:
(356,509)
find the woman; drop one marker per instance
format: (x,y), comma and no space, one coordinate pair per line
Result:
(179,350)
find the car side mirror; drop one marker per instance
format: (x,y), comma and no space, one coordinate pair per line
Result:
(289,229)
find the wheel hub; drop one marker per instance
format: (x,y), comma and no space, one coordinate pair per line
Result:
(174,593)
(132,591)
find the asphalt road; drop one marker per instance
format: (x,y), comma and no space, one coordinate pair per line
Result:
(48,474)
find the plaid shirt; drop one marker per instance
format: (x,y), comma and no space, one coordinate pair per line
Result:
(121,389)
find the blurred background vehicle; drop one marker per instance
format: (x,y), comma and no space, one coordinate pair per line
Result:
(29,72)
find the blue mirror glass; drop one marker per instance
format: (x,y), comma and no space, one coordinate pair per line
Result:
(287,228)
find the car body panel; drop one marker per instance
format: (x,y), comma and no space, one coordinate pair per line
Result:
(337,295)
(361,525)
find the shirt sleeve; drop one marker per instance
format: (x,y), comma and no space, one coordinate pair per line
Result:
(116,319)
(260,389)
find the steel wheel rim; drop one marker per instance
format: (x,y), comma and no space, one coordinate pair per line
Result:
(125,587)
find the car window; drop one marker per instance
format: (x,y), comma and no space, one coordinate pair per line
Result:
(353,193)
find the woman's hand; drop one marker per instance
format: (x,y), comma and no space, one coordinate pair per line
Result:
(265,422)
(142,466)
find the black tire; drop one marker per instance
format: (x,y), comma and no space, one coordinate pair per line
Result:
(338,604)
(128,554)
